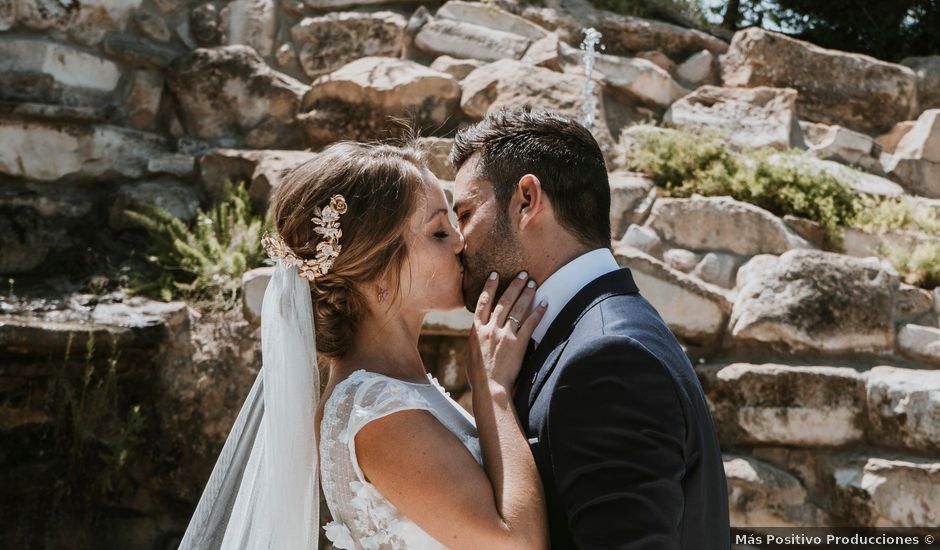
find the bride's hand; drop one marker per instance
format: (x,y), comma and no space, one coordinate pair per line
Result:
(500,334)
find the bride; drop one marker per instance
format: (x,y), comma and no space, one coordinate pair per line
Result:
(364,250)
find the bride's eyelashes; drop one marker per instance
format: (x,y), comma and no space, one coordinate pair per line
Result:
(442,235)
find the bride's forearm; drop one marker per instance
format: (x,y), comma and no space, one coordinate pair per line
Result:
(510,466)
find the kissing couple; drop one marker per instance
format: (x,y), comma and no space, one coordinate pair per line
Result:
(589,428)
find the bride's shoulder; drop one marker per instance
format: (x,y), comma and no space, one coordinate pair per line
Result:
(363,389)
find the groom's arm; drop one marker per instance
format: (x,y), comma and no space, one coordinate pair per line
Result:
(616,433)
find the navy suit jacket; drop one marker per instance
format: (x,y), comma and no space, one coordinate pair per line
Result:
(620,430)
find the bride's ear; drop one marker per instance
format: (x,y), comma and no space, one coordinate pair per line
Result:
(531,199)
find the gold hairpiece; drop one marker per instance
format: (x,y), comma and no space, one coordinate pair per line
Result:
(327,221)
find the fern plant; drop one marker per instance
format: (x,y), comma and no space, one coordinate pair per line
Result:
(203,264)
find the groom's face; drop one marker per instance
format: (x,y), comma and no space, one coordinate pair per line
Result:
(491,239)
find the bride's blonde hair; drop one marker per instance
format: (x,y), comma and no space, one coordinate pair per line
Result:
(381,185)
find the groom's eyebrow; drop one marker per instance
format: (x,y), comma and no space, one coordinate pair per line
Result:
(458,205)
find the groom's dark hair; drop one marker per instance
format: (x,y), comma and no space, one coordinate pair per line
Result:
(559,151)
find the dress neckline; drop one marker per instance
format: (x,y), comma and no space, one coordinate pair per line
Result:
(364,371)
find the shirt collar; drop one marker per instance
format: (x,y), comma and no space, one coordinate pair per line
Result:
(562,285)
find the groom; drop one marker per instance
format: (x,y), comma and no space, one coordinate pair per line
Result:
(616,418)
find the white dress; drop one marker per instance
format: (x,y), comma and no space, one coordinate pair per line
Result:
(362,517)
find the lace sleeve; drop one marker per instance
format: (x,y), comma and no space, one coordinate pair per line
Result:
(377,398)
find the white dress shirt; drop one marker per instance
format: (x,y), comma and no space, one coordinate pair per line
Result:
(562,285)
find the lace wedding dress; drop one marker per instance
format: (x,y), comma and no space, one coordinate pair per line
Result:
(362,517)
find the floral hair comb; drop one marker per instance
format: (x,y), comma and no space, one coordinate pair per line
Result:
(327,221)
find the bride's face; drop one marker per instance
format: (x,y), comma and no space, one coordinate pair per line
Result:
(431,278)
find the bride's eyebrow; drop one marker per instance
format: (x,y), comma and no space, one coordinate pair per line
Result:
(436,212)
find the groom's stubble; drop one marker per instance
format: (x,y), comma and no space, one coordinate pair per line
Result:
(500,250)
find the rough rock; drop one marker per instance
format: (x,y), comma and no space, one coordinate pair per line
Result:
(49,151)
(636,79)
(674,294)
(882,492)
(722,224)
(491,17)
(142,99)
(355,101)
(915,162)
(251,23)
(747,117)
(204,26)
(624,35)
(465,40)
(920,343)
(699,68)
(448,323)
(254,283)
(627,192)
(330,41)
(642,238)
(681,259)
(261,170)
(889,140)
(859,92)
(228,92)
(134,51)
(858,181)
(862,244)
(917,176)
(457,68)
(768,404)
(437,156)
(152,25)
(85,23)
(508,83)
(816,301)
(32,69)
(904,408)
(178,199)
(175,164)
(927,70)
(718,268)
(912,303)
(761,495)
(843,146)
(545,52)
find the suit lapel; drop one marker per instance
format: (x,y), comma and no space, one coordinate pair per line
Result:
(546,355)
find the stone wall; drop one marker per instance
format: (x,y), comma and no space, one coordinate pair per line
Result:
(822,369)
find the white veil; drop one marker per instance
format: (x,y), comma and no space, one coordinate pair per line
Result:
(263,493)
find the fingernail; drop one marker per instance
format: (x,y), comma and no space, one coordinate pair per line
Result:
(493,276)
(522,275)
(530,284)
(543,303)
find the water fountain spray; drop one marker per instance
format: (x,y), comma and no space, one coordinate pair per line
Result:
(588,100)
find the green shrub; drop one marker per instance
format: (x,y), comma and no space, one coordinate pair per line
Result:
(203,264)
(880,215)
(918,267)
(684,163)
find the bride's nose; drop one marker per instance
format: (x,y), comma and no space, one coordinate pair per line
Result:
(459,243)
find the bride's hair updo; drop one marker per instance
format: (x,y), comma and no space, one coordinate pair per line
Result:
(381,185)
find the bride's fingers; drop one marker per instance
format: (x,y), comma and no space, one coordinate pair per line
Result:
(520,310)
(509,297)
(485,301)
(532,321)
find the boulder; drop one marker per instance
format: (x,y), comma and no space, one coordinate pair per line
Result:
(142,98)
(681,259)
(508,83)
(768,404)
(762,495)
(37,70)
(674,294)
(842,145)
(922,142)
(624,35)
(722,224)
(858,181)
(815,301)
(229,92)
(927,70)
(881,492)
(457,68)
(718,268)
(85,22)
(491,17)
(633,79)
(911,304)
(437,156)
(890,139)
(46,151)
(904,407)
(330,41)
(858,92)
(746,117)
(546,52)
(356,101)
(250,23)
(153,26)
(260,170)
(699,68)
(917,176)
(442,36)
(456,322)
(334,5)
(915,163)
(178,199)
(134,51)
(920,343)
(627,192)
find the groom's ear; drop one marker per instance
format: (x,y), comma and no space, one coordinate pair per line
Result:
(531,200)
